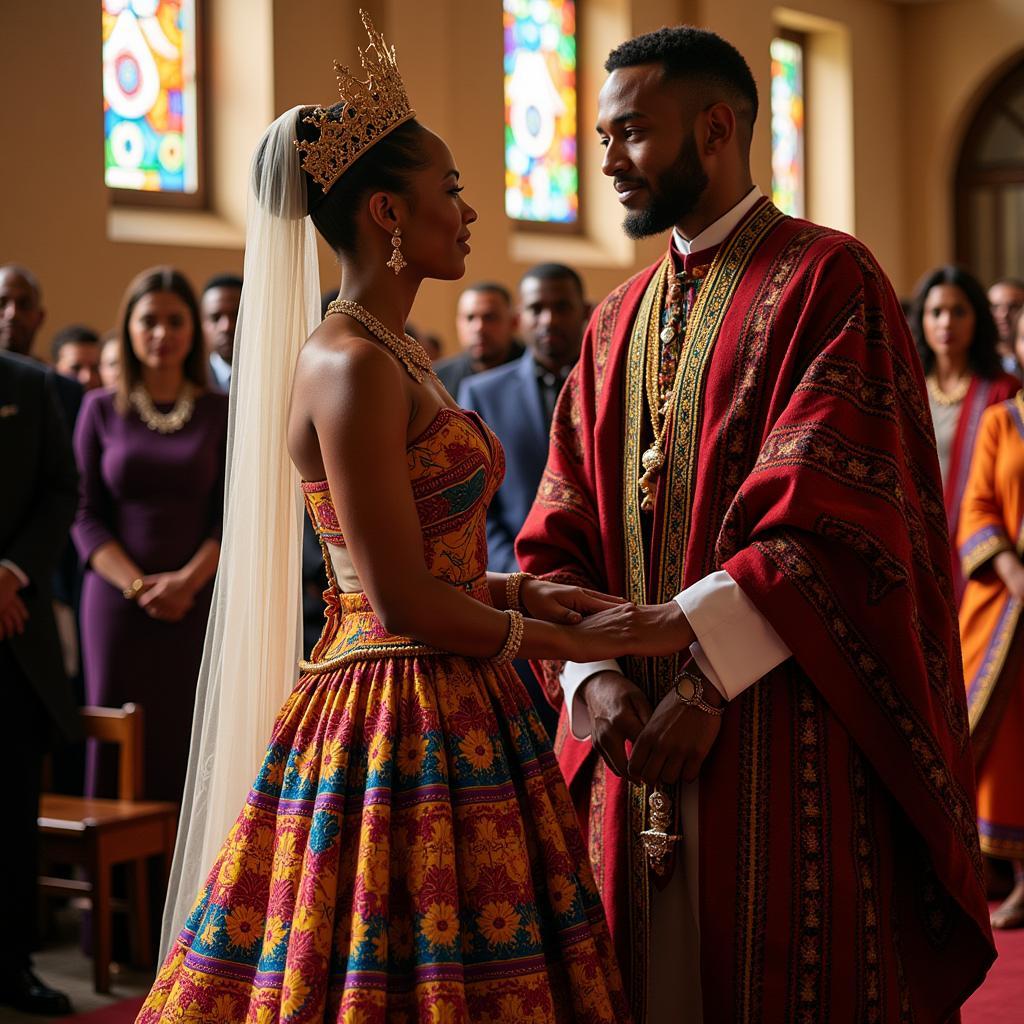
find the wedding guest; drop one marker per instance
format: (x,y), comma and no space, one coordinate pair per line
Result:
(1006,300)
(21,308)
(992,633)
(76,354)
(151,458)
(956,339)
(21,316)
(218,309)
(517,402)
(38,471)
(485,324)
(110,359)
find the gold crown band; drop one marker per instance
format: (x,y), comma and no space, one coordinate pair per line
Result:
(370,111)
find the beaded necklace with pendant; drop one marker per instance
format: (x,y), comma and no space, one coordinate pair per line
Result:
(662,380)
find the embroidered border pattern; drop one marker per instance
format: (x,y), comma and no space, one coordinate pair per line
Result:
(982,545)
(981,687)
(1006,841)
(809,975)
(885,573)
(801,569)
(736,435)
(870,964)
(709,311)
(753,827)
(845,378)
(557,492)
(598,809)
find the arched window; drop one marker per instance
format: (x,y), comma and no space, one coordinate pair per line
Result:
(151,129)
(990,183)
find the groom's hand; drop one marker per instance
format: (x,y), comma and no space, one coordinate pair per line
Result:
(675,741)
(619,710)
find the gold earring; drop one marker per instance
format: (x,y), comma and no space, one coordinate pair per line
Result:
(397,261)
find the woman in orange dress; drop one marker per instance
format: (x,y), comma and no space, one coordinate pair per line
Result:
(991,542)
(408,851)
(956,339)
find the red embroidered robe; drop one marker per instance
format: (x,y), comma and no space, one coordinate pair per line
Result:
(840,877)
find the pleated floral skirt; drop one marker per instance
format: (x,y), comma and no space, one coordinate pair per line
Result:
(408,852)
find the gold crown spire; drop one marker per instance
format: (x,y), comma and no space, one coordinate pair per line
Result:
(369,111)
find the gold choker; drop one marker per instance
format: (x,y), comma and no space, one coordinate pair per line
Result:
(164,422)
(944,398)
(409,352)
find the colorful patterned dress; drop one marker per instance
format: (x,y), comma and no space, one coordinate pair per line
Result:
(408,851)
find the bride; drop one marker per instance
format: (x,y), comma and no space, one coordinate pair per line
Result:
(408,850)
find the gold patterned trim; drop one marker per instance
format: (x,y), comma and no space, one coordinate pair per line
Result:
(981,553)
(377,652)
(675,498)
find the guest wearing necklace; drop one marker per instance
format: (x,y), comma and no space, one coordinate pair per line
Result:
(956,339)
(151,462)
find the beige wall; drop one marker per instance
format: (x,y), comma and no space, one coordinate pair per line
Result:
(54,216)
(913,70)
(954,50)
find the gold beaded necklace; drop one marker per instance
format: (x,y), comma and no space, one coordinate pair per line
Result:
(948,398)
(407,350)
(164,422)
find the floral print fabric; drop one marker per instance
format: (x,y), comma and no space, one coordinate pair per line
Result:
(407,853)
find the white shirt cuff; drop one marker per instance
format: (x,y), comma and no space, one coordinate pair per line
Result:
(574,675)
(735,644)
(16,569)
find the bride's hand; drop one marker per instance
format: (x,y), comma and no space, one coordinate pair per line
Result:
(645,630)
(556,602)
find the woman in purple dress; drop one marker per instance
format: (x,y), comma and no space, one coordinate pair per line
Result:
(151,461)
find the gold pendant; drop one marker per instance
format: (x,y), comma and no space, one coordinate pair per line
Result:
(652,460)
(657,840)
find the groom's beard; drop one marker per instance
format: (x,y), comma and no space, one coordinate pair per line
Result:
(674,194)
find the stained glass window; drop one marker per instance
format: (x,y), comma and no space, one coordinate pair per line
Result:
(541,171)
(149,95)
(788,170)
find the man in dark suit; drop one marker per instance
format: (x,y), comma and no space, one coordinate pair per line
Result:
(21,315)
(517,401)
(485,323)
(40,481)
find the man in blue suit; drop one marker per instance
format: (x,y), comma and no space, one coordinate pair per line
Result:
(517,401)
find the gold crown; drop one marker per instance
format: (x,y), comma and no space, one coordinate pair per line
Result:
(369,111)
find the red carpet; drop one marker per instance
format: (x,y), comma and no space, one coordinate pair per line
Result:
(1000,1000)
(123,1012)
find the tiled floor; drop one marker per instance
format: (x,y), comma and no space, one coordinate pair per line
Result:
(63,965)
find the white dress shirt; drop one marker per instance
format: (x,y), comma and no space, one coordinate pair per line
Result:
(735,643)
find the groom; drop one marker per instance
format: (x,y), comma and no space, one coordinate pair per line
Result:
(781,815)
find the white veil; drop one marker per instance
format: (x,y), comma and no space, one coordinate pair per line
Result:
(254,636)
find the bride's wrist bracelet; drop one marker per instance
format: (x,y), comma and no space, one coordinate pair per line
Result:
(513,584)
(514,640)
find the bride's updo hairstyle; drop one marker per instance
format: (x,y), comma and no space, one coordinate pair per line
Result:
(387,166)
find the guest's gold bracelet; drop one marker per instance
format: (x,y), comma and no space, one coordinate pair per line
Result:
(131,592)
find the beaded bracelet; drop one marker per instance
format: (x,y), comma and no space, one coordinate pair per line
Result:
(514,640)
(513,582)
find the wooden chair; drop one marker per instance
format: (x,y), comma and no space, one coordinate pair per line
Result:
(96,834)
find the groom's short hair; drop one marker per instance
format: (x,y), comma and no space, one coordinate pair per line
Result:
(693,54)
